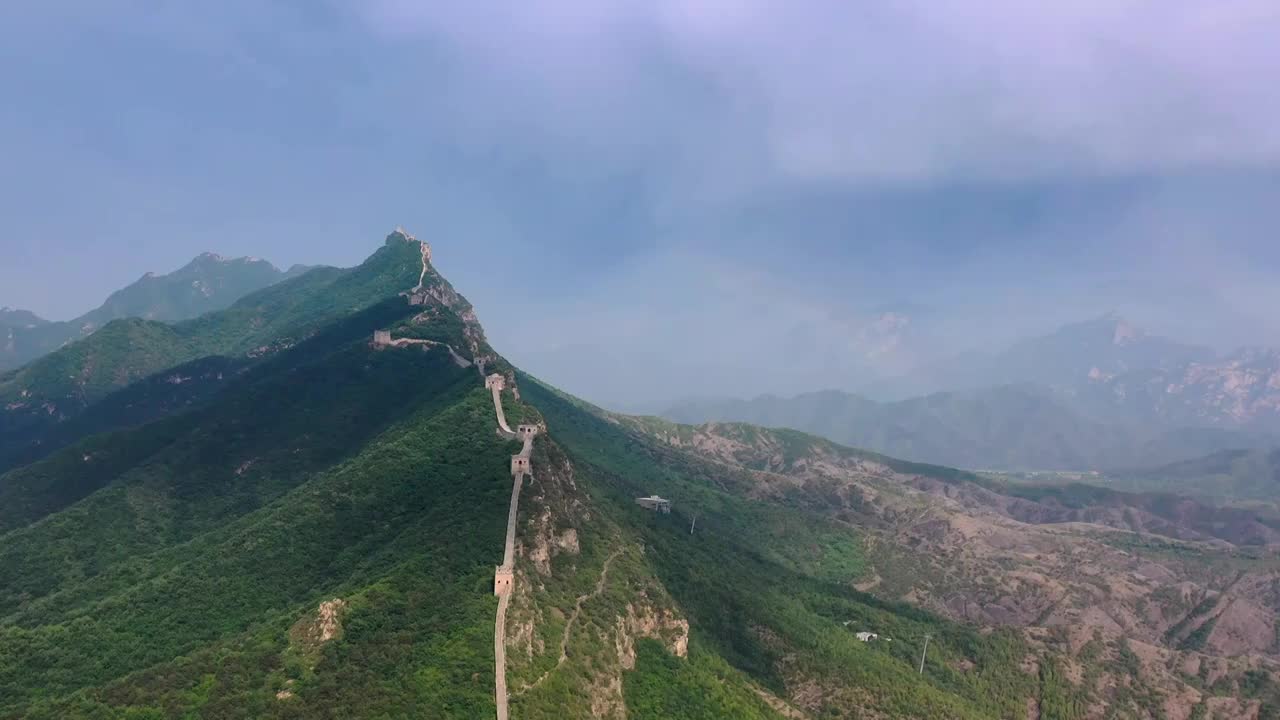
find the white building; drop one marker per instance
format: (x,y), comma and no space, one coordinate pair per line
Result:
(655,503)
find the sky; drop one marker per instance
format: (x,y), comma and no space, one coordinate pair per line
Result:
(651,200)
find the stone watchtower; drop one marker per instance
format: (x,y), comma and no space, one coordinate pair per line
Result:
(525,432)
(495,381)
(519,464)
(381,337)
(502,578)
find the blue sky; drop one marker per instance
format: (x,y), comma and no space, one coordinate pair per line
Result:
(650,199)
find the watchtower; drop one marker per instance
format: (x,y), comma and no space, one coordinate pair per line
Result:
(495,381)
(381,337)
(502,580)
(519,464)
(526,431)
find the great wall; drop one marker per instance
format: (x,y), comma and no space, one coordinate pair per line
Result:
(504,574)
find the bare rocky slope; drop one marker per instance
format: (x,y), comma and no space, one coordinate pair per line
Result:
(1192,591)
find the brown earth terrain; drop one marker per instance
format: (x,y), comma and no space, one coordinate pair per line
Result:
(1187,596)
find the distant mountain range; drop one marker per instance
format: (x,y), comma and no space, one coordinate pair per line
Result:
(1106,346)
(209,282)
(1097,394)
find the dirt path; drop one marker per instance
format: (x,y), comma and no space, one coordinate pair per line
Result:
(568,626)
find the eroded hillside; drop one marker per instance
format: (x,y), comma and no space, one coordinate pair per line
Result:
(1184,594)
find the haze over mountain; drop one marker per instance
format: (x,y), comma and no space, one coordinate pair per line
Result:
(1092,395)
(209,282)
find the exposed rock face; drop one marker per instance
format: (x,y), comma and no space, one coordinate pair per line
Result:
(1240,390)
(327,619)
(648,622)
(583,596)
(309,634)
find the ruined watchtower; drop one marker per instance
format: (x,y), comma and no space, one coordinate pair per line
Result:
(495,381)
(381,338)
(519,464)
(502,578)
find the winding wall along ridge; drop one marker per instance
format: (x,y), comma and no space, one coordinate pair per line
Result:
(504,574)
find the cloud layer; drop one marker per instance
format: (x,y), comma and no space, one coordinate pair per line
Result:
(729,197)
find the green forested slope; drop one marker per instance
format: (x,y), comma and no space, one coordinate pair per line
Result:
(61,385)
(406,531)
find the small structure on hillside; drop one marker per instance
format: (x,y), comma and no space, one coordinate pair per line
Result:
(381,338)
(501,580)
(655,503)
(865,636)
(526,431)
(495,381)
(519,464)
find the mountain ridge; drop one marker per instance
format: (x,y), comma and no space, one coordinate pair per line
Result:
(58,387)
(208,282)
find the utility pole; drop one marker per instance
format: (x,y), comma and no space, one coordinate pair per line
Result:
(695,522)
(925,650)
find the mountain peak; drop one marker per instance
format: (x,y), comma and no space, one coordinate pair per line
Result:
(18,318)
(400,235)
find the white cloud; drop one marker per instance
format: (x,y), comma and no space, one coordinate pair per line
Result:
(888,92)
